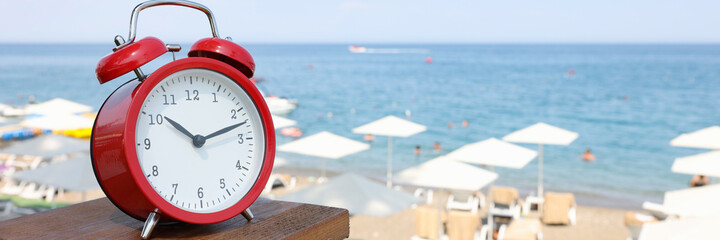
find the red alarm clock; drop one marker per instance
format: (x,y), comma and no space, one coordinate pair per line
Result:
(193,141)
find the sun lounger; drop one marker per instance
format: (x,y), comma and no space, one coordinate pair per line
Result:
(505,202)
(532,203)
(559,208)
(463,225)
(634,221)
(33,191)
(13,188)
(463,200)
(280,180)
(426,222)
(423,193)
(521,229)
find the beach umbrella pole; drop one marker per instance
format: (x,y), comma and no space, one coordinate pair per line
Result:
(389,166)
(540,176)
(489,214)
(322,174)
(440,211)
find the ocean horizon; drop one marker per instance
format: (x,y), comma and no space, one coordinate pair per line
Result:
(626,101)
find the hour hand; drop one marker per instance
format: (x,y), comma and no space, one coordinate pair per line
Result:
(224,130)
(179,127)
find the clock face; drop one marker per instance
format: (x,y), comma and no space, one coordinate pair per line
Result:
(200,140)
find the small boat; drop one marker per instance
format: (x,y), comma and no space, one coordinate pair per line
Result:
(17,132)
(357,49)
(280,106)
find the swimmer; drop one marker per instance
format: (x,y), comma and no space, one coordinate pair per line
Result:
(369,138)
(437,147)
(588,156)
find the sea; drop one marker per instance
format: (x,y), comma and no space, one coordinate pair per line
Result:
(626,102)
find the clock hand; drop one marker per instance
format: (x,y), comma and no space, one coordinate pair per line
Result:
(179,127)
(224,130)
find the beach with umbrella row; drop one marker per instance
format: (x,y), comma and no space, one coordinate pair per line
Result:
(451,196)
(454,196)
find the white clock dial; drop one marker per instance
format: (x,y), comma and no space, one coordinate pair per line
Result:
(200,140)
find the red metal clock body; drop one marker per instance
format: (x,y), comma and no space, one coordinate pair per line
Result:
(114,147)
(144,155)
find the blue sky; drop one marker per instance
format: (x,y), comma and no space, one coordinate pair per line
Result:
(372,21)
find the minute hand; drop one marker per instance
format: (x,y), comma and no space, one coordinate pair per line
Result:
(224,130)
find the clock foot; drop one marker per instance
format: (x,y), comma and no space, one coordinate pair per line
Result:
(150,223)
(247,214)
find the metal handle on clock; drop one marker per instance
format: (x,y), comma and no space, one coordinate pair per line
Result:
(182,3)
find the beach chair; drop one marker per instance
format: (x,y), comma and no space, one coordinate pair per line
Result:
(634,222)
(426,222)
(464,225)
(423,193)
(521,229)
(280,180)
(33,191)
(559,208)
(13,187)
(532,203)
(463,200)
(505,202)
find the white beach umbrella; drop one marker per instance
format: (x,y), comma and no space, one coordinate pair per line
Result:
(494,152)
(356,194)
(57,106)
(693,202)
(708,138)
(707,164)
(444,173)
(48,146)
(681,229)
(281,122)
(59,122)
(324,145)
(540,134)
(74,174)
(390,126)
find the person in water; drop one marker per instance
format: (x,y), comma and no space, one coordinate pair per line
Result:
(417,150)
(699,181)
(436,147)
(588,156)
(369,138)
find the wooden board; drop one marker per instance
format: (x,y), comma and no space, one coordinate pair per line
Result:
(100,219)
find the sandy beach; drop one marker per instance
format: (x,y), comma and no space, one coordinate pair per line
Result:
(593,222)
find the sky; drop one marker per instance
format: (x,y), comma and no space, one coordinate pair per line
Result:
(371,21)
